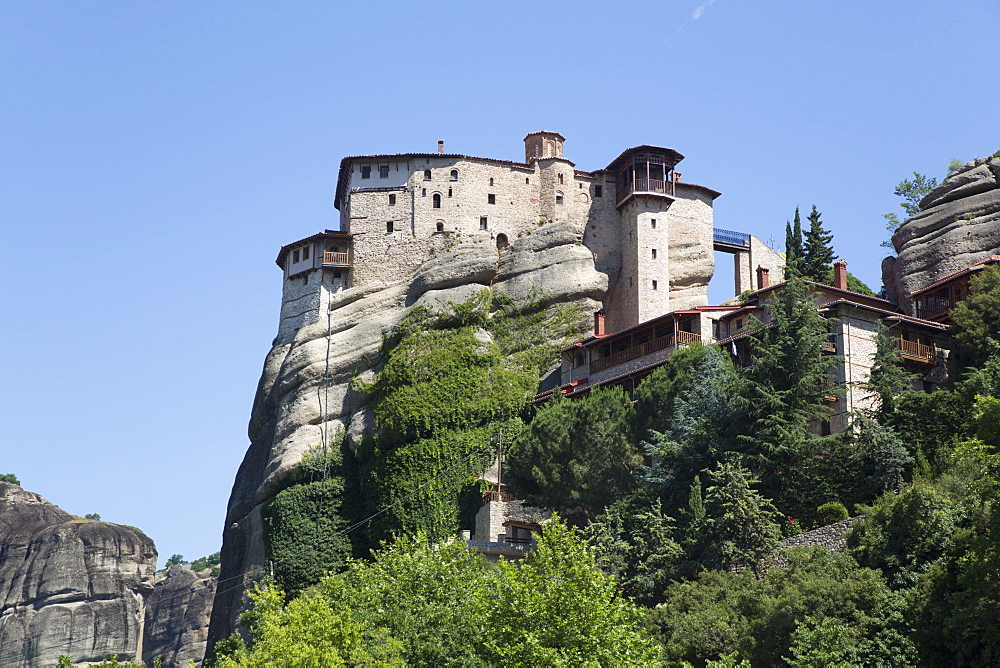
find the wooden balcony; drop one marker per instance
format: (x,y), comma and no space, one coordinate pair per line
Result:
(917,352)
(657,186)
(333,259)
(629,354)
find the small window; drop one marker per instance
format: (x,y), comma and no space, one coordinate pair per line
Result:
(652,223)
(824,428)
(366,171)
(449,192)
(598,191)
(491,199)
(559,199)
(388,227)
(440,226)
(337,273)
(560,178)
(739,324)
(423,192)
(392,200)
(437,200)
(454,175)
(305,253)
(427,175)
(654,285)
(383,171)
(526,180)
(483,223)
(491,180)
(654,253)
(295,256)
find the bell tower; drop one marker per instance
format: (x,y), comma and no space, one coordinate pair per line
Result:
(542,144)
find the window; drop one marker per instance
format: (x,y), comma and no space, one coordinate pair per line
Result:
(559,198)
(652,223)
(392,200)
(739,324)
(491,199)
(482,223)
(449,192)
(491,180)
(454,175)
(366,171)
(305,253)
(654,285)
(654,253)
(337,273)
(423,192)
(383,171)
(526,180)
(388,227)
(598,191)
(560,178)
(295,256)
(440,226)
(427,175)
(437,200)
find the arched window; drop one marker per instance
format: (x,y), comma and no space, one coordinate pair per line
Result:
(427,175)
(559,197)
(454,175)
(491,180)
(437,200)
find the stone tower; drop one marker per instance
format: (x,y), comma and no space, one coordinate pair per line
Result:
(543,144)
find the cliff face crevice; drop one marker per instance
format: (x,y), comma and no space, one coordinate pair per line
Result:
(177,614)
(958,225)
(68,586)
(306,392)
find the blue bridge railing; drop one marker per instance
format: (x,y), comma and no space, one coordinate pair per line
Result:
(730,238)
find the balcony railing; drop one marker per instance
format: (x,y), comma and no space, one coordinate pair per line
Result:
(919,351)
(661,186)
(334,259)
(629,354)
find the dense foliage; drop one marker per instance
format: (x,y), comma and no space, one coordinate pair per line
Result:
(416,603)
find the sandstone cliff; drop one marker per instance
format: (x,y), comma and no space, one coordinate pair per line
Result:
(958,225)
(289,412)
(177,614)
(67,585)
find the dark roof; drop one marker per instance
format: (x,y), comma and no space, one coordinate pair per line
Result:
(326,234)
(993,259)
(677,157)
(545,132)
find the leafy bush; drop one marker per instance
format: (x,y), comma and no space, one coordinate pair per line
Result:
(9,477)
(832,512)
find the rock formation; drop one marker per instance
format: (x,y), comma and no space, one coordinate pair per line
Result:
(68,585)
(958,225)
(177,614)
(295,403)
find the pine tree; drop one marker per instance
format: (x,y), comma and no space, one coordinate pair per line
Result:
(817,251)
(887,378)
(793,246)
(784,389)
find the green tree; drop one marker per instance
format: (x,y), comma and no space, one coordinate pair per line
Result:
(822,643)
(174,560)
(887,377)
(577,455)
(634,541)
(976,329)
(793,247)
(817,251)
(911,192)
(656,395)
(92,516)
(9,477)
(556,608)
(785,388)
(740,526)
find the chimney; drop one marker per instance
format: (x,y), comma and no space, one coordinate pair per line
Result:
(840,274)
(599,323)
(440,146)
(763,280)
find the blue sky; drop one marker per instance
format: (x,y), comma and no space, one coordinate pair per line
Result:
(155,156)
